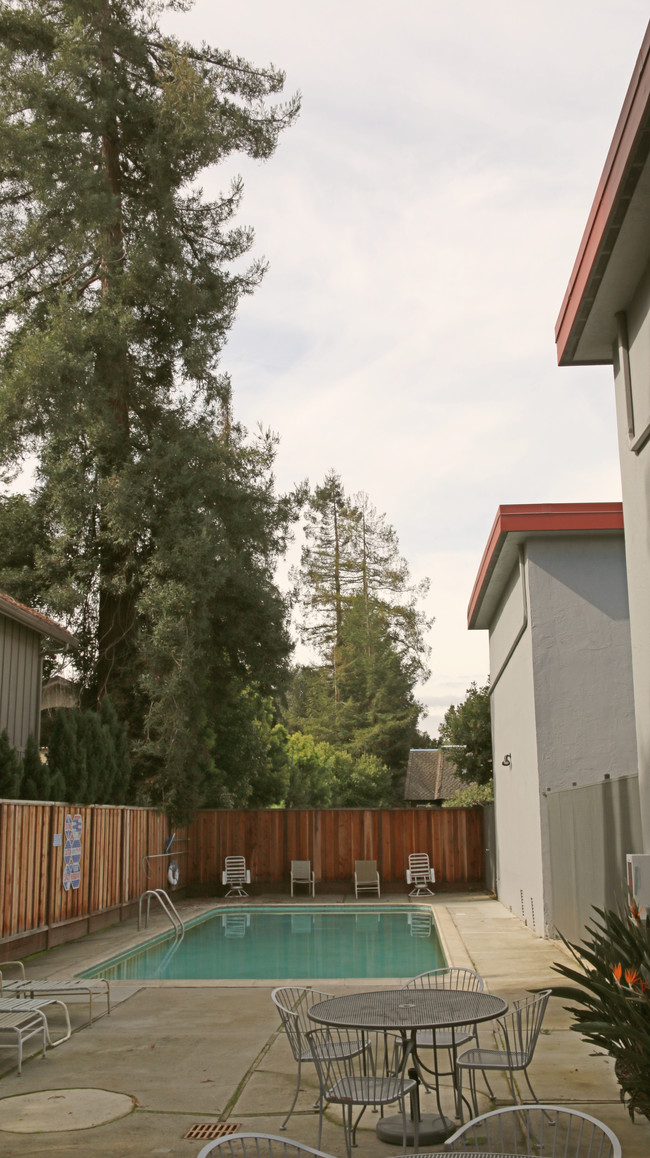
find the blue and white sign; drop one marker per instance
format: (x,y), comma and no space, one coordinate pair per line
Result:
(72,852)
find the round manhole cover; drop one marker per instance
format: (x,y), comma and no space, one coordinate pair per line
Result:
(52,1110)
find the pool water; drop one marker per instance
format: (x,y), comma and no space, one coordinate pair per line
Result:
(282,943)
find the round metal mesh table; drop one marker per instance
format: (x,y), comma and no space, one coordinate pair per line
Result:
(406,1011)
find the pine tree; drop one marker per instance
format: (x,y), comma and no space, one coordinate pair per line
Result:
(35,773)
(118,284)
(10,771)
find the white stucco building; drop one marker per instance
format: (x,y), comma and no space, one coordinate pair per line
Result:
(552,592)
(605,318)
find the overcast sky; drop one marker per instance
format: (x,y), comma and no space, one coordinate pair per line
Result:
(421,221)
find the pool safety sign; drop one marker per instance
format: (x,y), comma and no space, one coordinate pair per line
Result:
(72,852)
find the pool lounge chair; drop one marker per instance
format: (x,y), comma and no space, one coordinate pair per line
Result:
(235,875)
(20,1005)
(50,987)
(366,877)
(420,875)
(22,1025)
(303,874)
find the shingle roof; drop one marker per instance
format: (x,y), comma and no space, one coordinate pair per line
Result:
(430,776)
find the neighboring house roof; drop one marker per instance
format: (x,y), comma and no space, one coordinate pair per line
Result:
(513,526)
(59,692)
(34,619)
(615,246)
(430,776)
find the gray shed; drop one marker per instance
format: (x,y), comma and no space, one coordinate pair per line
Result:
(21,631)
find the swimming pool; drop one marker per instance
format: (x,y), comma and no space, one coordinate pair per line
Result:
(288,942)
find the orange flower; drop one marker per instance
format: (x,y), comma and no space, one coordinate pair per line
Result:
(631,976)
(643,985)
(618,971)
(635,910)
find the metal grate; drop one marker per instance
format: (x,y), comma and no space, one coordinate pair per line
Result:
(206,1131)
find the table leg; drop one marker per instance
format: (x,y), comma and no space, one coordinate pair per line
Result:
(421,1129)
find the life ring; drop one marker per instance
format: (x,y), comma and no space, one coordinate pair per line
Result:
(172,873)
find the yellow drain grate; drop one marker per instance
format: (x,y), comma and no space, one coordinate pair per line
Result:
(206,1131)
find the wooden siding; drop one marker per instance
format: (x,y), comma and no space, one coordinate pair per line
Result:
(122,847)
(20,682)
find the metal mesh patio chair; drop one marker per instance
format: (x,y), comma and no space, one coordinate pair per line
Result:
(543,1131)
(375,1076)
(451,977)
(366,877)
(293,1004)
(47,987)
(420,874)
(259,1146)
(303,874)
(519,1031)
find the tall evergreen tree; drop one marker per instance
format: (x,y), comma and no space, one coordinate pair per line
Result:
(36,781)
(117,290)
(10,770)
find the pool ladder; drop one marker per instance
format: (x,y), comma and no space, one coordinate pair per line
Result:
(168,906)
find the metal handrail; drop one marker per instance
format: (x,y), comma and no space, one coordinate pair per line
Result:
(168,906)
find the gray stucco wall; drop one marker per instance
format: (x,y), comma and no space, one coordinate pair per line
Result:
(516,787)
(635,476)
(562,709)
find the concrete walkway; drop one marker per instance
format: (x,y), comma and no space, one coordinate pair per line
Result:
(174,1055)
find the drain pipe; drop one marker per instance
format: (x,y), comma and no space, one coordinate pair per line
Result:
(524,618)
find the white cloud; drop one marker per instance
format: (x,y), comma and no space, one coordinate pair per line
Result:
(421,221)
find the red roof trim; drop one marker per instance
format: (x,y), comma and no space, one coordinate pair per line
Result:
(618,159)
(561,518)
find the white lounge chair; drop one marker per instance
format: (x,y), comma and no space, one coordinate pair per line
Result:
(20,1005)
(50,987)
(22,1025)
(235,875)
(420,874)
(303,874)
(366,877)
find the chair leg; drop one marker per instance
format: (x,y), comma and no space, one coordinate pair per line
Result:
(295,1099)
(490,1090)
(535,1098)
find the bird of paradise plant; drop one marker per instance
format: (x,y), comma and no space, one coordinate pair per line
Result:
(610,996)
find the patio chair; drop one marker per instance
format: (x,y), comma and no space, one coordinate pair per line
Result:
(303,874)
(519,1030)
(49,987)
(235,875)
(259,1146)
(293,1003)
(375,1076)
(366,877)
(22,1025)
(543,1131)
(420,874)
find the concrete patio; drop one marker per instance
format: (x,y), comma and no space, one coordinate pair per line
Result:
(173,1055)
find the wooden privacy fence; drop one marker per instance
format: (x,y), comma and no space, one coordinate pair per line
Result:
(67,870)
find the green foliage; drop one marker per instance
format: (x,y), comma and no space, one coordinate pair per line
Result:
(153,529)
(468,726)
(470,795)
(610,997)
(360,611)
(10,771)
(36,781)
(321,776)
(88,756)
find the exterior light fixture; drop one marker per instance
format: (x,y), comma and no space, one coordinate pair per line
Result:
(507,760)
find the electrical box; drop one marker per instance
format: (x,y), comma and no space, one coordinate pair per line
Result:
(638,878)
